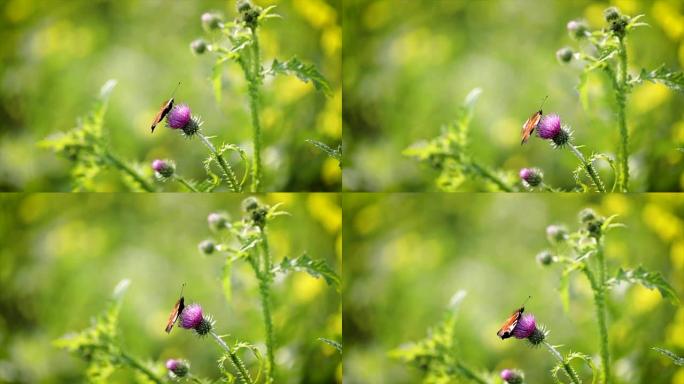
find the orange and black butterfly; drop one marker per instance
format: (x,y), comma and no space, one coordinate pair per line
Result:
(177,310)
(532,123)
(164,110)
(508,326)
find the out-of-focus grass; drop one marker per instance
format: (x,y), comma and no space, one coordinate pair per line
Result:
(56,54)
(406,255)
(63,254)
(408,64)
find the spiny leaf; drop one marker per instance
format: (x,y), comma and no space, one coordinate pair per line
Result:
(306,73)
(677,360)
(650,280)
(332,343)
(315,268)
(334,153)
(672,79)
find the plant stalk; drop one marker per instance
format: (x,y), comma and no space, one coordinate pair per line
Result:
(589,168)
(265,291)
(254,79)
(228,173)
(598,288)
(467,372)
(572,375)
(621,98)
(243,373)
(489,175)
(185,183)
(133,362)
(122,166)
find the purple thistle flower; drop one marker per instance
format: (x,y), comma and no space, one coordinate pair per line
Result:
(525,328)
(191,317)
(177,367)
(549,127)
(163,168)
(512,376)
(531,177)
(179,117)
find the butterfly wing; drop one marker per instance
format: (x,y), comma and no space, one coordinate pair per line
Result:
(175,314)
(507,328)
(163,111)
(530,125)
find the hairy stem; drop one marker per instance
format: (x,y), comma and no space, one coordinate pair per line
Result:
(254,79)
(185,183)
(621,98)
(589,168)
(125,168)
(243,373)
(598,288)
(228,173)
(467,372)
(265,291)
(133,362)
(489,175)
(572,375)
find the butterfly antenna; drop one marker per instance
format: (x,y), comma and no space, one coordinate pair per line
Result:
(175,89)
(540,107)
(526,300)
(182,286)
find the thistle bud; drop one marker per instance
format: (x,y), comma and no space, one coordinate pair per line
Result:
(556,233)
(198,46)
(611,14)
(545,258)
(512,376)
(531,177)
(207,247)
(177,367)
(564,55)
(211,21)
(163,169)
(218,220)
(577,29)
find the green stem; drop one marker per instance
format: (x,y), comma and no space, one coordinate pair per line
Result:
(572,375)
(598,287)
(254,79)
(228,173)
(122,166)
(487,174)
(265,291)
(133,362)
(588,167)
(467,372)
(243,373)
(621,98)
(186,183)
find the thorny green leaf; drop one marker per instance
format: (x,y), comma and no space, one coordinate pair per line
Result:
(650,280)
(316,268)
(671,79)
(332,343)
(335,153)
(305,73)
(677,360)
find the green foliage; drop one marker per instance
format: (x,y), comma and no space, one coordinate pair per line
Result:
(99,344)
(650,280)
(86,145)
(449,153)
(677,360)
(331,343)
(672,79)
(315,268)
(565,365)
(335,153)
(304,72)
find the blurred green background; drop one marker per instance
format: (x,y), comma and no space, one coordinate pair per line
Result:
(63,254)
(405,255)
(409,64)
(56,55)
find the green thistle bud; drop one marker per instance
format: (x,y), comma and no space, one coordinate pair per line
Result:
(564,55)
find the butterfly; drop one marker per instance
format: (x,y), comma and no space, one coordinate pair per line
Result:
(531,123)
(508,326)
(164,109)
(176,312)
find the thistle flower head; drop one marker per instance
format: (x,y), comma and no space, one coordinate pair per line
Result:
(249,13)
(512,376)
(577,29)
(531,177)
(564,55)
(618,22)
(549,128)
(207,247)
(198,46)
(211,21)
(193,318)
(177,367)
(592,222)
(525,327)
(181,118)
(545,258)
(163,169)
